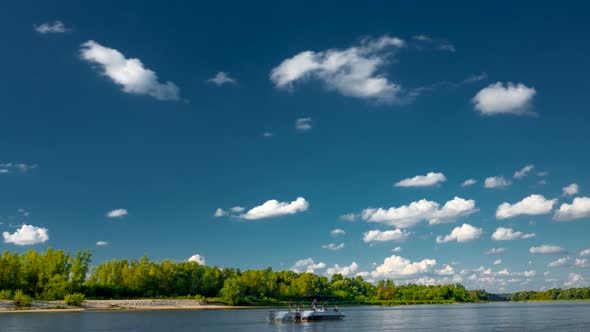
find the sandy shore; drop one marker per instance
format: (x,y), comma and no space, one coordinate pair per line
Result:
(115,305)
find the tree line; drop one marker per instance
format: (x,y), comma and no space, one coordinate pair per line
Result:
(54,274)
(554,294)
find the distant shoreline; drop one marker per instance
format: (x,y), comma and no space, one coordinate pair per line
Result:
(116,305)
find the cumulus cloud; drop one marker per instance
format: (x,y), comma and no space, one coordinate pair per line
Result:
(559,262)
(307,265)
(222,78)
(468,182)
(343,270)
(102,243)
(575,280)
(493,251)
(504,99)
(197,259)
(585,252)
(570,190)
(385,236)
(129,73)
(303,124)
(506,234)
(219,212)
(354,72)
(546,249)
(337,232)
(497,262)
(349,217)
(532,205)
(396,249)
(395,266)
(447,270)
(117,213)
(333,246)
(496,182)
(463,233)
(523,172)
(51,27)
(274,208)
(407,216)
(6,168)
(428,180)
(580,208)
(26,235)
(581,262)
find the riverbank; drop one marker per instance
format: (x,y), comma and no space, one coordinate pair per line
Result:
(115,305)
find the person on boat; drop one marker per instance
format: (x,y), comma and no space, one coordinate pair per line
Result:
(314,305)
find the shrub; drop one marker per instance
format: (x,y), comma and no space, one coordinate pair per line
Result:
(75,299)
(21,299)
(5,294)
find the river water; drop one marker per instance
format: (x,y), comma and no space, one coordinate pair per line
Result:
(555,316)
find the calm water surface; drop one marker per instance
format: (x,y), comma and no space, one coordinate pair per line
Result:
(563,316)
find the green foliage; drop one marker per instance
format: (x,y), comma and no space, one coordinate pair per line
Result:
(75,299)
(553,294)
(21,299)
(231,291)
(5,294)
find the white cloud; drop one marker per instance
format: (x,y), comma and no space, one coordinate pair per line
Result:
(197,259)
(303,124)
(274,208)
(26,235)
(559,262)
(307,265)
(468,182)
(575,280)
(546,249)
(219,212)
(51,27)
(506,234)
(581,262)
(580,208)
(532,205)
(385,236)
(128,73)
(222,78)
(497,262)
(102,243)
(585,252)
(343,270)
(447,270)
(20,167)
(464,233)
(117,213)
(333,246)
(353,72)
(395,266)
(428,180)
(523,172)
(496,182)
(570,190)
(349,217)
(407,216)
(337,232)
(268,134)
(499,99)
(493,251)
(396,249)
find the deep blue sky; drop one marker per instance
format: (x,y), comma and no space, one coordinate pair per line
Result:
(171,164)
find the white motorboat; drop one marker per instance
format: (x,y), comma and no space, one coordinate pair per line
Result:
(302,315)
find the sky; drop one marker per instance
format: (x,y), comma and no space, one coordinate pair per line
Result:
(405,140)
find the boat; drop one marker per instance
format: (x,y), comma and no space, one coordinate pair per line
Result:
(304,315)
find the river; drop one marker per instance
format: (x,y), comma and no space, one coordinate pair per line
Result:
(548,316)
